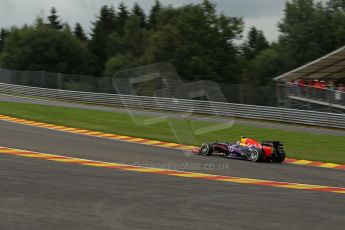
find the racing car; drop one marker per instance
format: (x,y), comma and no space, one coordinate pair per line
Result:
(247,148)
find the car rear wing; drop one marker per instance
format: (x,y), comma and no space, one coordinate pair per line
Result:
(277,145)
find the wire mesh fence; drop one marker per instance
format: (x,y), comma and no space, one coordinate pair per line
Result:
(233,93)
(317,94)
(50,80)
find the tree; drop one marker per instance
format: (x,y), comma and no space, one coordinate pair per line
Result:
(305,32)
(153,17)
(105,25)
(115,64)
(336,5)
(3,34)
(53,19)
(122,17)
(309,30)
(198,42)
(336,22)
(67,28)
(79,32)
(134,39)
(45,48)
(260,71)
(255,43)
(127,49)
(137,11)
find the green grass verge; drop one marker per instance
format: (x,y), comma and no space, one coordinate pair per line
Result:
(301,145)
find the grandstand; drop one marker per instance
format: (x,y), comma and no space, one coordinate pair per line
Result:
(317,85)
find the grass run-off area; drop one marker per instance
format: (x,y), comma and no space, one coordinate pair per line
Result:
(301,145)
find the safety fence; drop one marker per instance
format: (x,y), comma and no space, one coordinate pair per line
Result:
(304,117)
(330,96)
(233,93)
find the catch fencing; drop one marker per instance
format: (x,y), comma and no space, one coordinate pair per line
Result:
(277,114)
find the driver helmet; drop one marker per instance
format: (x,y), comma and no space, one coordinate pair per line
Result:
(243,140)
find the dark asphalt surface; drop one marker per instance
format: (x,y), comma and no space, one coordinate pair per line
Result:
(36,194)
(67,144)
(46,195)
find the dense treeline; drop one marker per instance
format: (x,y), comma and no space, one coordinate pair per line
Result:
(200,42)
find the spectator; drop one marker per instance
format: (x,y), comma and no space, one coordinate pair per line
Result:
(317,88)
(311,83)
(301,85)
(340,93)
(331,85)
(310,88)
(322,91)
(323,85)
(341,87)
(293,87)
(317,84)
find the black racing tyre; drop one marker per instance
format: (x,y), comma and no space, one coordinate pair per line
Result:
(268,159)
(279,157)
(206,149)
(256,155)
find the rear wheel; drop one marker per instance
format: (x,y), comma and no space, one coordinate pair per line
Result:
(206,149)
(268,159)
(279,157)
(256,155)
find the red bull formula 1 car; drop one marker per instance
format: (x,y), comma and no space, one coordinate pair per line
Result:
(246,148)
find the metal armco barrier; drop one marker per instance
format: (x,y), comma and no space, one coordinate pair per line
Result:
(182,105)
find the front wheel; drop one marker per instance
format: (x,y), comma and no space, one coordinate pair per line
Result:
(206,149)
(256,155)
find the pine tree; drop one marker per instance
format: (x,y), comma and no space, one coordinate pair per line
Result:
(79,32)
(3,34)
(139,12)
(256,42)
(39,22)
(107,19)
(336,5)
(122,18)
(67,28)
(153,17)
(126,50)
(252,37)
(53,19)
(104,26)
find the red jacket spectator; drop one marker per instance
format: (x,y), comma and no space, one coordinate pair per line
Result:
(323,85)
(317,84)
(301,83)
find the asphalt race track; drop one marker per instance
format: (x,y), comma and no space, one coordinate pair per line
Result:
(36,194)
